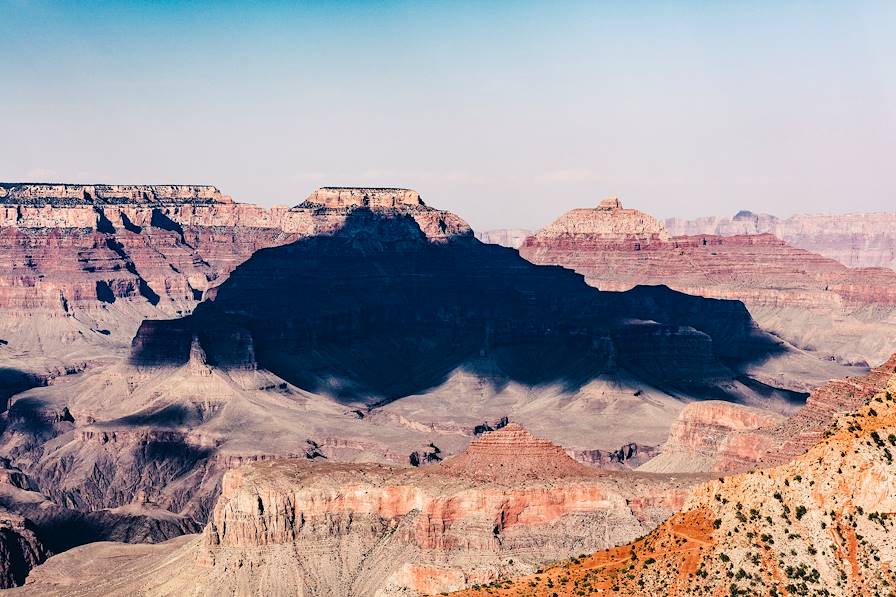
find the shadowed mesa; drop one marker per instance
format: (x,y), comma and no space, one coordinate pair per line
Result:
(376,310)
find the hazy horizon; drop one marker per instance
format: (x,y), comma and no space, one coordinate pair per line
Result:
(507,114)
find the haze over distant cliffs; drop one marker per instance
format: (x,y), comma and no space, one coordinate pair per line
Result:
(169,335)
(506,237)
(853,239)
(809,300)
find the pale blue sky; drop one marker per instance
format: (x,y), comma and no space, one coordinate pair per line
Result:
(506,113)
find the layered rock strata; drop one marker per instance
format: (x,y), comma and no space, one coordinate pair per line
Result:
(809,300)
(82,265)
(853,239)
(819,525)
(724,437)
(300,528)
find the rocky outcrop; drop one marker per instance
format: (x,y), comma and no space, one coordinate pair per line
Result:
(821,524)
(853,239)
(295,527)
(66,195)
(608,222)
(372,197)
(631,455)
(813,302)
(710,437)
(20,549)
(726,438)
(512,453)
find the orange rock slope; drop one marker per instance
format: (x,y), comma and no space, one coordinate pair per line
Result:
(819,525)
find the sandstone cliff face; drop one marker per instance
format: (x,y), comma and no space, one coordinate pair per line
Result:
(855,240)
(811,301)
(299,528)
(608,222)
(709,436)
(726,438)
(819,525)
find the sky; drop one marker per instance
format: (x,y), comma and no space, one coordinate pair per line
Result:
(507,113)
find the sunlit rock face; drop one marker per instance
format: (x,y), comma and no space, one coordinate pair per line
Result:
(323,528)
(819,523)
(724,437)
(82,265)
(812,301)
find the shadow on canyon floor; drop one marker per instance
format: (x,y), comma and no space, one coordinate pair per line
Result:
(375,311)
(13,381)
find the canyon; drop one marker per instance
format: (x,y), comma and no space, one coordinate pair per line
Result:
(818,525)
(376,340)
(172,360)
(812,302)
(505,505)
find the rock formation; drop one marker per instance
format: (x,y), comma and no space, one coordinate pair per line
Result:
(82,265)
(365,328)
(20,549)
(853,239)
(819,525)
(726,438)
(813,302)
(368,343)
(608,222)
(713,436)
(512,453)
(297,527)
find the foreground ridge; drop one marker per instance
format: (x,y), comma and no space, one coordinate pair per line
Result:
(819,525)
(294,527)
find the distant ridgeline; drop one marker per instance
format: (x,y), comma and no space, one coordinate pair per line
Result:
(61,195)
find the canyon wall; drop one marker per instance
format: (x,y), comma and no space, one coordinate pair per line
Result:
(821,524)
(855,240)
(726,438)
(82,265)
(295,527)
(20,549)
(813,302)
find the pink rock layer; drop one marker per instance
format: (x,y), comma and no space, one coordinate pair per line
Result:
(617,249)
(853,239)
(724,437)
